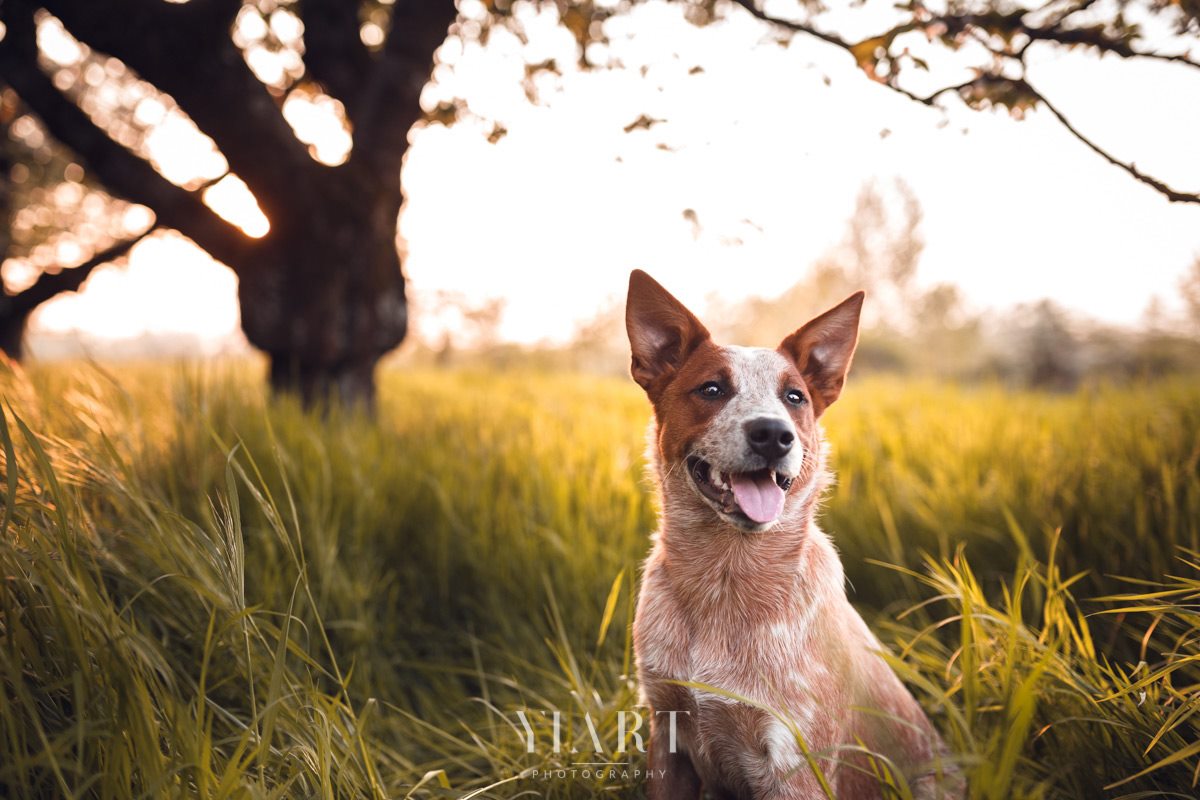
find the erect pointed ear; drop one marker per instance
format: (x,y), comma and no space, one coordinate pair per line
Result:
(662,333)
(823,348)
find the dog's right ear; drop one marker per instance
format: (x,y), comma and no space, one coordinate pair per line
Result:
(662,333)
(823,348)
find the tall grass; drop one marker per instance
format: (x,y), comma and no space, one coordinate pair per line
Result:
(209,594)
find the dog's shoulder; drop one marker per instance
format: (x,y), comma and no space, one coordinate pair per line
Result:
(660,628)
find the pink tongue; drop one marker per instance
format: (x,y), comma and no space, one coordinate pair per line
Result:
(759,497)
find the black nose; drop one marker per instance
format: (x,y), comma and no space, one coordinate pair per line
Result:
(770,437)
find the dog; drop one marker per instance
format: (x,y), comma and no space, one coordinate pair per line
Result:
(761,679)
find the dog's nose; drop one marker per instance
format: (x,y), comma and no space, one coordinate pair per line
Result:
(770,437)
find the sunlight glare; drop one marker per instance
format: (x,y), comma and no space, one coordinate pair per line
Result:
(167,287)
(57,45)
(18,274)
(232,201)
(183,154)
(287,27)
(319,121)
(271,47)
(137,218)
(371,34)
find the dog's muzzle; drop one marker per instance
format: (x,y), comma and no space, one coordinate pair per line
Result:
(757,495)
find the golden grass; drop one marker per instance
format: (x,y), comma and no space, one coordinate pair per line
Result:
(207,594)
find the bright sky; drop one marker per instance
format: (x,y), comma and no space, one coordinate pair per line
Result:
(770,158)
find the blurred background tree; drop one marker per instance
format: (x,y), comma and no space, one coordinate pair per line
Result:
(1049,352)
(1189,288)
(309,227)
(310,234)
(56,226)
(880,253)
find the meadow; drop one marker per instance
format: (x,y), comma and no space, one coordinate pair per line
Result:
(208,593)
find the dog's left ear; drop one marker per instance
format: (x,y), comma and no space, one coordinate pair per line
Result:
(662,332)
(823,348)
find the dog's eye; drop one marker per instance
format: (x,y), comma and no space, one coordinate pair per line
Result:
(795,397)
(711,390)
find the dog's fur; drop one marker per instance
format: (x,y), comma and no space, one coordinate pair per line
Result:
(756,609)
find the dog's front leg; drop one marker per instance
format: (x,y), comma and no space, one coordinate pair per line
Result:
(670,773)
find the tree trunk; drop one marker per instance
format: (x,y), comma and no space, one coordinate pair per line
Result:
(328,304)
(12,335)
(347,385)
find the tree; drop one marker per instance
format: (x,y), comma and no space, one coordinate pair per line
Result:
(321,291)
(42,195)
(1049,351)
(321,288)
(1189,288)
(879,253)
(908,326)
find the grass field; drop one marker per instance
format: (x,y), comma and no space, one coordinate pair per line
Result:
(206,594)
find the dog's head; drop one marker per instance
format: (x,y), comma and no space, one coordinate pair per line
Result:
(738,425)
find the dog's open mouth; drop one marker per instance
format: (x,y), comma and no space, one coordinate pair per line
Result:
(759,495)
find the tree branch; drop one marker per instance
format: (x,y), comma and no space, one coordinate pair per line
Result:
(334,54)
(1093,37)
(391,100)
(50,284)
(1011,23)
(186,51)
(794,26)
(119,170)
(1172,195)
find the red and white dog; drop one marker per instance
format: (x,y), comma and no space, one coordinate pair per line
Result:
(742,591)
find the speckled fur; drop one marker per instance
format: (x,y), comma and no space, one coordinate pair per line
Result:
(757,612)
